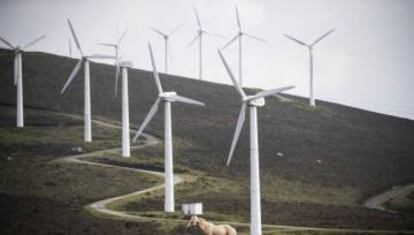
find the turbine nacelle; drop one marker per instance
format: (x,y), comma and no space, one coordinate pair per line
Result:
(168,96)
(18,50)
(125,64)
(255,102)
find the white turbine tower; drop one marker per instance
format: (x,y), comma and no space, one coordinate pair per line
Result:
(122,67)
(18,75)
(166,37)
(199,36)
(239,35)
(126,150)
(252,102)
(87,100)
(117,49)
(310,49)
(166,98)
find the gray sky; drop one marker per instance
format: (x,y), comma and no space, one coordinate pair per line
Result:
(367,62)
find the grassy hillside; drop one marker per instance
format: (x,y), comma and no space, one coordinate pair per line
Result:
(38,196)
(357,148)
(332,149)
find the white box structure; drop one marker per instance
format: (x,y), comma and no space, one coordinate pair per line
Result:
(192,208)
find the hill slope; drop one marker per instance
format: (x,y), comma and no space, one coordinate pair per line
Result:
(365,151)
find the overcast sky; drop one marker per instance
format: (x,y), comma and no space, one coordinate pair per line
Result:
(368,62)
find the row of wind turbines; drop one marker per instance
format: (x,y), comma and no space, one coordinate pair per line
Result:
(166,98)
(240,34)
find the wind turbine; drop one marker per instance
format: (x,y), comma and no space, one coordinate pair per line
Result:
(199,36)
(87,100)
(239,35)
(166,37)
(252,101)
(18,75)
(166,98)
(310,50)
(117,48)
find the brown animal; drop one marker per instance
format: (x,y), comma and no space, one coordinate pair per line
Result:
(200,226)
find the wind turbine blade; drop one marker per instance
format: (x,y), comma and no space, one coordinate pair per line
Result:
(100,56)
(239,126)
(120,54)
(266,93)
(238,18)
(187,100)
(236,84)
(75,38)
(283,98)
(157,31)
(147,119)
(6,42)
(70,48)
(175,29)
(122,36)
(230,42)
(193,40)
(254,37)
(154,69)
(197,18)
(107,44)
(34,41)
(323,36)
(72,75)
(295,40)
(213,34)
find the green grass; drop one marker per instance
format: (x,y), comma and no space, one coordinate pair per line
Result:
(38,196)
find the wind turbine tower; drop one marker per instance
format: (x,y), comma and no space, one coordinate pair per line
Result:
(310,50)
(167,98)
(126,152)
(252,102)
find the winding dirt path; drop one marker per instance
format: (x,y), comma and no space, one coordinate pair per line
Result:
(377,202)
(100,207)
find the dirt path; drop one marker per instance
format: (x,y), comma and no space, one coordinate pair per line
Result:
(100,207)
(377,202)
